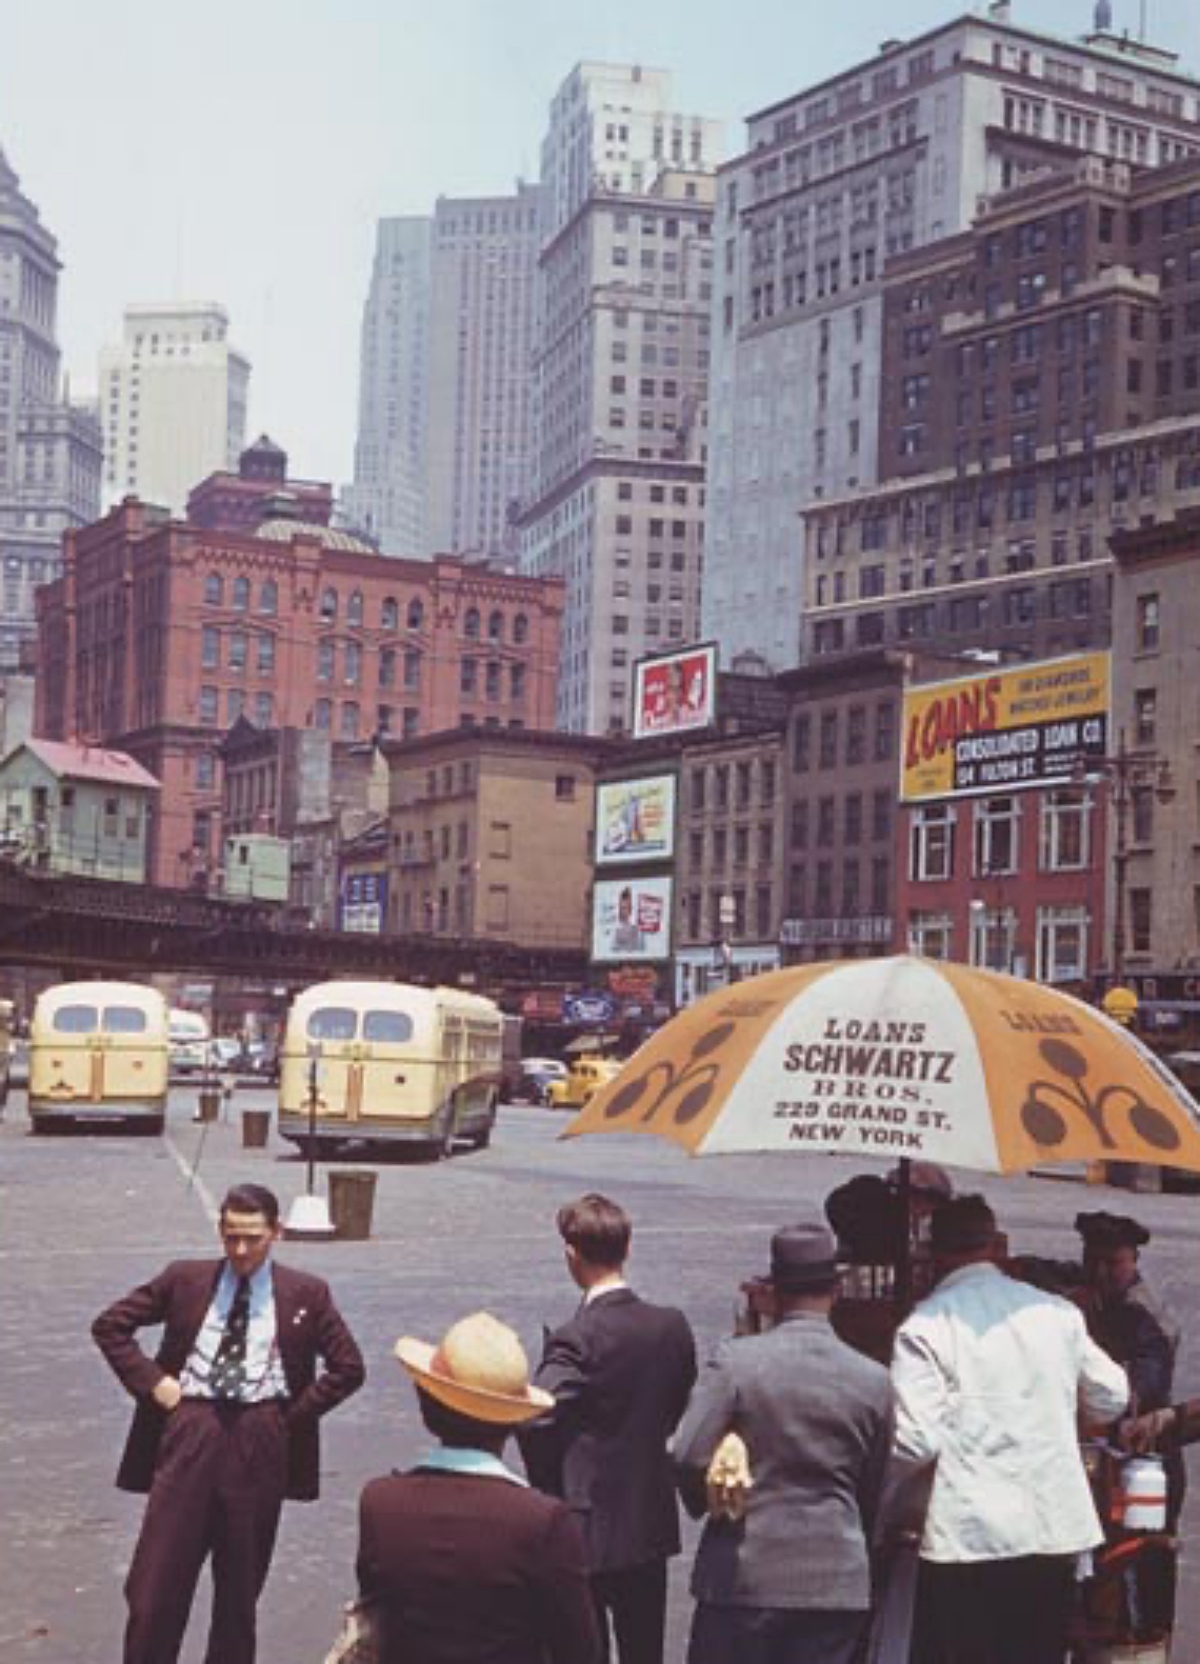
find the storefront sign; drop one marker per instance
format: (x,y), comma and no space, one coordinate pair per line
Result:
(1005,730)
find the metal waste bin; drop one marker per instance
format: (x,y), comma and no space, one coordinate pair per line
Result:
(256,1128)
(351,1202)
(210,1103)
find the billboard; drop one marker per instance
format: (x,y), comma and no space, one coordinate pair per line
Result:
(364,902)
(1005,729)
(675,692)
(631,918)
(635,819)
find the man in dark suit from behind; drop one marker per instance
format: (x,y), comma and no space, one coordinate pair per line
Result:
(225,1426)
(465,1561)
(785,1577)
(620,1372)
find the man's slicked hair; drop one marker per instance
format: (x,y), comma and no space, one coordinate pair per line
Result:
(252,1198)
(597,1228)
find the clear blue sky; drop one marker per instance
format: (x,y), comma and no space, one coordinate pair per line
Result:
(241,150)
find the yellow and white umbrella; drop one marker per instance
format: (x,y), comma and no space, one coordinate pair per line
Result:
(905,1057)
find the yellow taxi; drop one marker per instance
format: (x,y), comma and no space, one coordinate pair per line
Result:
(584,1079)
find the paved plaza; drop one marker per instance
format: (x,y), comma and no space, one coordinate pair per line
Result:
(82,1220)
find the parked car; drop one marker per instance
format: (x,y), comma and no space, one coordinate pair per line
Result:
(583,1080)
(535,1077)
(226,1054)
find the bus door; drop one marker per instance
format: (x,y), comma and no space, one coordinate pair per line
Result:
(72,1049)
(127,1067)
(392,1080)
(335,1029)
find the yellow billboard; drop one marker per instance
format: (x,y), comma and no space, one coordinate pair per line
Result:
(1005,729)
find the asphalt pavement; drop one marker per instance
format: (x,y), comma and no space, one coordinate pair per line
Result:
(84,1219)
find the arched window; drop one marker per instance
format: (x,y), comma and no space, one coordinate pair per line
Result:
(329,604)
(214,590)
(389,613)
(268,597)
(520,629)
(354,607)
(241,593)
(471,624)
(416,613)
(496,627)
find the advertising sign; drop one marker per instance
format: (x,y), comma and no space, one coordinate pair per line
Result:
(364,902)
(635,820)
(593,1008)
(676,692)
(1005,729)
(631,918)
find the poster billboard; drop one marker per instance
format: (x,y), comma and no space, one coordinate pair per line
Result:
(631,918)
(675,692)
(364,902)
(635,820)
(1005,729)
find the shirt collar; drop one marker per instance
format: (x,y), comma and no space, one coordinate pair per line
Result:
(260,1281)
(602,1289)
(444,1458)
(965,1273)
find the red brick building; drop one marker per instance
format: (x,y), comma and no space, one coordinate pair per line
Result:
(160,634)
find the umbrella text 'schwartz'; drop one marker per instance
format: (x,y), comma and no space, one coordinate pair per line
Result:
(823,1057)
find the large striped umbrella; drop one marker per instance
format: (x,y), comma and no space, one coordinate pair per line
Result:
(907,1057)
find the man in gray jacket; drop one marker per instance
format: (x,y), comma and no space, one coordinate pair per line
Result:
(790,1581)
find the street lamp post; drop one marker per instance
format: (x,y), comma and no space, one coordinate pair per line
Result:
(727,915)
(1129,772)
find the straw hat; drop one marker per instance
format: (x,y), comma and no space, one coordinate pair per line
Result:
(480,1370)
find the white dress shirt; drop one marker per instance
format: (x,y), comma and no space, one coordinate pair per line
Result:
(990,1375)
(264,1367)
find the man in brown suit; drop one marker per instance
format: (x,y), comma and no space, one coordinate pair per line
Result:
(463,1559)
(225,1426)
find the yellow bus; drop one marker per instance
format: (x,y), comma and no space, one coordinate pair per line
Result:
(98,1057)
(393,1064)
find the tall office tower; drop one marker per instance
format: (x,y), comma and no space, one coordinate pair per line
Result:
(49,449)
(835,181)
(479,421)
(621,369)
(387,498)
(172,402)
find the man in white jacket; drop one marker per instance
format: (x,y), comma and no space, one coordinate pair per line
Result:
(991,1377)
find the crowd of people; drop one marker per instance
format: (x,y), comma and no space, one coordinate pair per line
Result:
(802,1455)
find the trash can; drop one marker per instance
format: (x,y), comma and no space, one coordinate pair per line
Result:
(351,1202)
(210,1103)
(256,1128)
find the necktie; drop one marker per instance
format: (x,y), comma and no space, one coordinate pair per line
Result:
(228,1379)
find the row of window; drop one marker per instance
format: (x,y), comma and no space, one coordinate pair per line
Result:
(861,740)
(1060,941)
(742,780)
(240,598)
(1064,836)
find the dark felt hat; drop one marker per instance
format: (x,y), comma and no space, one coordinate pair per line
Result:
(1110,1230)
(803,1257)
(963,1225)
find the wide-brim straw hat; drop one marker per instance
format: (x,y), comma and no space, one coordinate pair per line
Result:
(479,1370)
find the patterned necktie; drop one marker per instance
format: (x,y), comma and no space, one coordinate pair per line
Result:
(228,1378)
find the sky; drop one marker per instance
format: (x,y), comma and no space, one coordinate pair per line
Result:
(242,150)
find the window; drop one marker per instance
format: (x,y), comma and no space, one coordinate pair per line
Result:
(801,736)
(1062,936)
(931,843)
(564,788)
(325,653)
(352,664)
(237,650)
(265,656)
(387,667)
(205,770)
(471,624)
(993,937)
(520,630)
(885,731)
(496,626)
(856,734)
(829,738)
(996,821)
(412,669)
(329,604)
(210,647)
(852,819)
(350,718)
(322,715)
(1145,715)
(1065,835)
(264,710)
(930,935)
(208,704)
(881,816)
(268,597)
(1142,802)
(235,701)
(241,594)
(354,608)
(1147,623)
(389,613)
(800,824)
(1141,915)
(214,590)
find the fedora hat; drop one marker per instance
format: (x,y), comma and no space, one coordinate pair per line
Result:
(479,1370)
(803,1257)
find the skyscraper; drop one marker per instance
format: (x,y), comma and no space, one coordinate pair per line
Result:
(480,410)
(387,498)
(172,402)
(835,181)
(621,367)
(49,449)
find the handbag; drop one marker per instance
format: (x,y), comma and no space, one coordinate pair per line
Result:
(358,1640)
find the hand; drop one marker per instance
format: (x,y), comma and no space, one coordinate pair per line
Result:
(1143,1433)
(167,1393)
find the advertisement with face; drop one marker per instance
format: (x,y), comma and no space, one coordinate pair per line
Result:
(675,693)
(631,919)
(635,820)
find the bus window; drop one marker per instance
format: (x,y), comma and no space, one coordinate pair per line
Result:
(76,1019)
(124,1019)
(333,1022)
(392,1028)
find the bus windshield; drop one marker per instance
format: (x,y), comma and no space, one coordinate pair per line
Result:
(389,1027)
(333,1022)
(76,1019)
